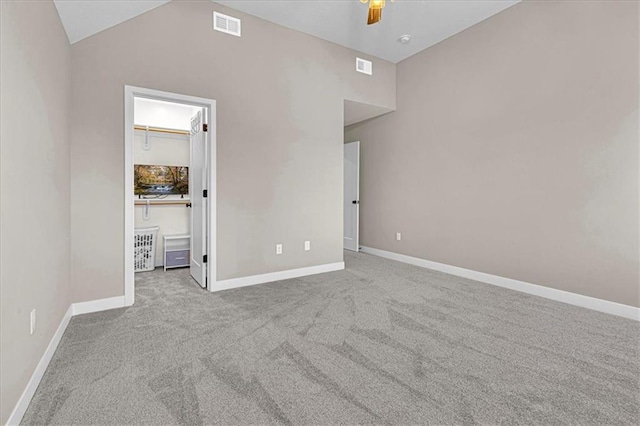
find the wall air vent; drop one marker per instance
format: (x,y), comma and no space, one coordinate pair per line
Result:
(226,24)
(364,66)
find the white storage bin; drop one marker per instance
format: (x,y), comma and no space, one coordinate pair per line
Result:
(144,248)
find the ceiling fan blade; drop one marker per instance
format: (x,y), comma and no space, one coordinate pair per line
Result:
(375,15)
(375,11)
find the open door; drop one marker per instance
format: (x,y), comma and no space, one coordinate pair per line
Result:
(351,195)
(198,197)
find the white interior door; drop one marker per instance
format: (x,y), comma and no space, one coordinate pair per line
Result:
(197,188)
(351,195)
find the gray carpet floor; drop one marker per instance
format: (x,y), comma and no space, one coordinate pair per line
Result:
(379,343)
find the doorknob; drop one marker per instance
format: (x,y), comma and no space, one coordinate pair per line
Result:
(355,202)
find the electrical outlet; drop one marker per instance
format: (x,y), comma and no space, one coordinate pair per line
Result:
(307,245)
(278,248)
(32,319)
(398,236)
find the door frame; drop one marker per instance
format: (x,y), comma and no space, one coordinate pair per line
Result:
(131,92)
(357,195)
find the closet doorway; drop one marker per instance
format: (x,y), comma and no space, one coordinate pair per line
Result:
(170,187)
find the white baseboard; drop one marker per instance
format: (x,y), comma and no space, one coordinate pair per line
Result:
(74,309)
(23,403)
(276,276)
(98,305)
(588,302)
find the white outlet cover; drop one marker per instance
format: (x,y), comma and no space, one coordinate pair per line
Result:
(307,245)
(278,248)
(398,236)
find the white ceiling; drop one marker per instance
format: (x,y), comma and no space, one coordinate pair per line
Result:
(344,21)
(84,18)
(340,21)
(169,115)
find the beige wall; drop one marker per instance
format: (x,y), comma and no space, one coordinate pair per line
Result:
(34,159)
(279,100)
(514,151)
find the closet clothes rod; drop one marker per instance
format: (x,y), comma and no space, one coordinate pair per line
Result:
(162,203)
(162,130)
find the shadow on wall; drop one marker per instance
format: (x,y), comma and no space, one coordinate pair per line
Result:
(357,112)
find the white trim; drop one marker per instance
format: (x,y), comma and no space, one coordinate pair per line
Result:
(212,196)
(98,305)
(277,276)
(357,230)
(74,309)
(131,92)
(129,212)
(613,308)
(23,402)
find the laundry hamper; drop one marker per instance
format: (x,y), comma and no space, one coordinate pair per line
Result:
(144,248)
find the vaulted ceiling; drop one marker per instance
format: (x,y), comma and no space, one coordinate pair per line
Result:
(84,18)
(339,21)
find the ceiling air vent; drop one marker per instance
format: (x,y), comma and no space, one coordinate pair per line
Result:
(364,66)
(226,24)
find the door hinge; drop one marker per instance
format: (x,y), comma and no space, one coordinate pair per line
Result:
(204,259)
(205,127)
(204,193)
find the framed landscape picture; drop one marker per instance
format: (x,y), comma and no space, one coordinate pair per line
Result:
(160,180)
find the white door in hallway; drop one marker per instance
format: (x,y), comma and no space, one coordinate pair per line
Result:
(197,189)
(351,195)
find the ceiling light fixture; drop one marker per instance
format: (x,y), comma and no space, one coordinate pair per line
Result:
(375,10)
(404,39)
